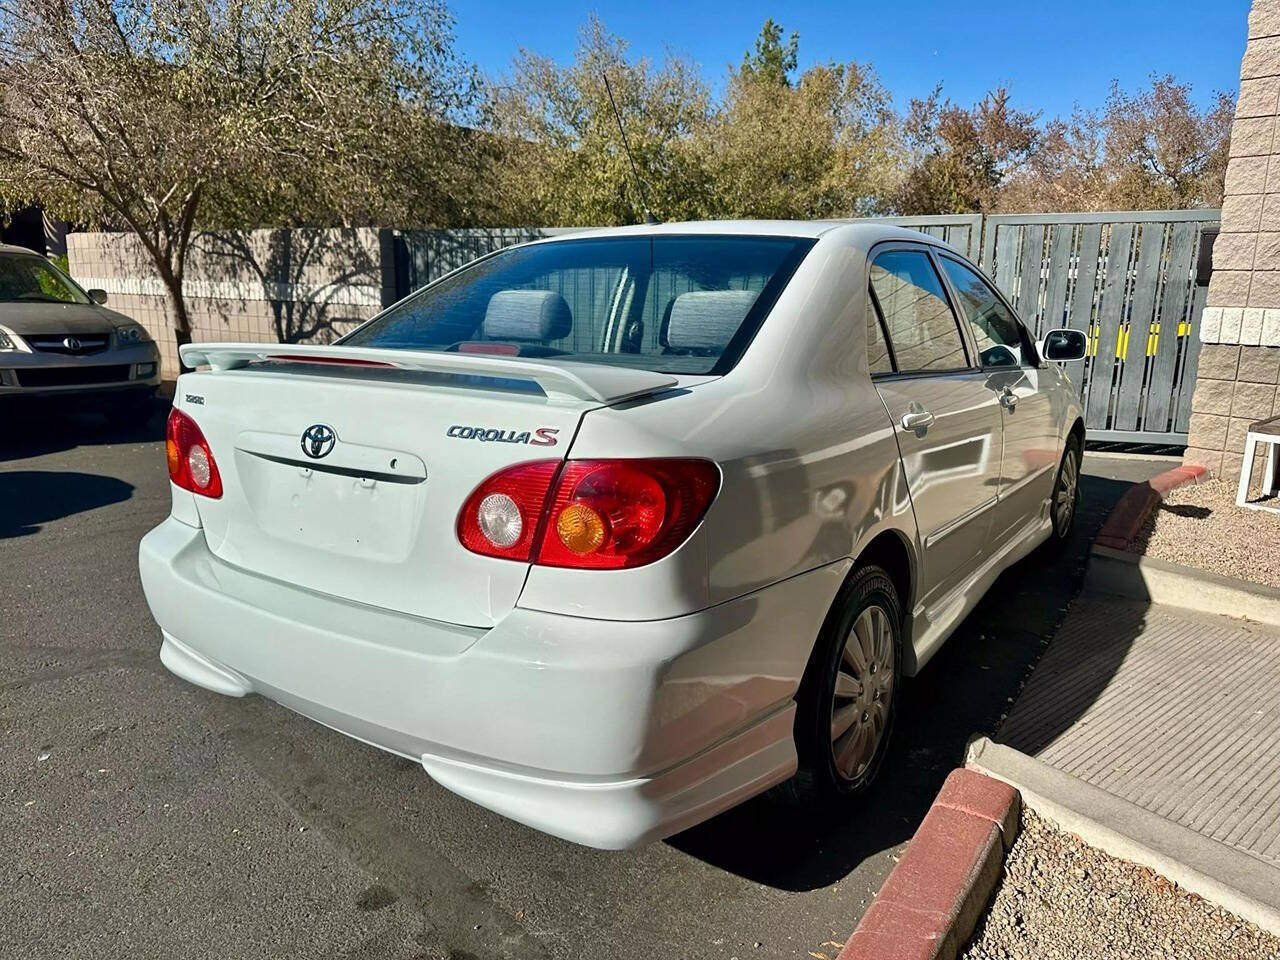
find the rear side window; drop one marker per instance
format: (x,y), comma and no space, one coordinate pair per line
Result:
(922,329)
(1000,337)
(671,303)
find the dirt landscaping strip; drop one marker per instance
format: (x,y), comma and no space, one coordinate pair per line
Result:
(1060,899)
(1201,526)
(1124,525)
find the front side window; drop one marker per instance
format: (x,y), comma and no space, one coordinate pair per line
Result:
(922,330)
(32,279)
(670,303)
(997,332)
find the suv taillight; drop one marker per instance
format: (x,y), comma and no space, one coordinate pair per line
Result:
(191,463)
(588,514)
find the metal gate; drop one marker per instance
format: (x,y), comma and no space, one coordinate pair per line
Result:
(1134,283)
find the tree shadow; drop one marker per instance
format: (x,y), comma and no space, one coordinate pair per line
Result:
(318,283)
(31,498)
(966,690)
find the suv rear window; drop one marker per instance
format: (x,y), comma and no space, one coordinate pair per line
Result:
(675,304)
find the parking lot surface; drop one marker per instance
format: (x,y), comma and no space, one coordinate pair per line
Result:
(148,818)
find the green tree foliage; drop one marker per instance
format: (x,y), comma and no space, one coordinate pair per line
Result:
(168,116)
(772,61)
(563,160)
(819,146)
(824,147)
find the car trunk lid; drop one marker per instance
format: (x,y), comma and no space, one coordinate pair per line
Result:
(344,470)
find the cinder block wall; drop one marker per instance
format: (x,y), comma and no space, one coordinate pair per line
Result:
(299,286)
(1236,381)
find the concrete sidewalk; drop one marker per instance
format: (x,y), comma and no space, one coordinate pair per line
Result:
(1174,711)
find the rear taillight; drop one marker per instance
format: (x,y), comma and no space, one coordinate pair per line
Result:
(191,463)
(588,514)
(500,518)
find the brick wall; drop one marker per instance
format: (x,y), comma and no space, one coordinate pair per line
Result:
(1236,382)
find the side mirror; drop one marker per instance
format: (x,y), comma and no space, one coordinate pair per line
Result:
(98,296)
(1062,346)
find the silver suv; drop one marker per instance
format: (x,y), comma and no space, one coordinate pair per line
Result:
(57,339)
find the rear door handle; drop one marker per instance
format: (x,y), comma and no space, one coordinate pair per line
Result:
(919,420)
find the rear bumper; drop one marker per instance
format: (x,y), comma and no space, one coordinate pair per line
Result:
(605,733)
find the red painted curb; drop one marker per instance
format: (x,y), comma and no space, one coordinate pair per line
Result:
(1135,505)
(931,902)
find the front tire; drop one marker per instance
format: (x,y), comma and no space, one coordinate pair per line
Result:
(847,701)
(1065,498)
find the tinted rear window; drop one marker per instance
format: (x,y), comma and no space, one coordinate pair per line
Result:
(678,304)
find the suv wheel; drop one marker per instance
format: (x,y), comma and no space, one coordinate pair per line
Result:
(846,704)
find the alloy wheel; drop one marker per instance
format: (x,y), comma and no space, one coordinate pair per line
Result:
(1064,497)
(863,692)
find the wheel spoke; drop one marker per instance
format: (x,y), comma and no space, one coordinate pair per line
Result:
(843,719)
(850,758)
(847,686)
(865,630)
(884,640)
(853,654)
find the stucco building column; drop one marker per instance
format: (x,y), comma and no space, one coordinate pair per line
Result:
(1239,370)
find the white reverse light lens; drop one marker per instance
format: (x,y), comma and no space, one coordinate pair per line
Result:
(499,519)
(198,464)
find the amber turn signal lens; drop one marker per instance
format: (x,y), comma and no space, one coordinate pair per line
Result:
(173,455)
(581,529)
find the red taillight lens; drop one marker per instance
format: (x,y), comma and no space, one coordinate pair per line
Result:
(596,514)
(191,463)
(501,517)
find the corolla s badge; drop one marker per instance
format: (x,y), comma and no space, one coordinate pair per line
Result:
(318,440)
(541,437)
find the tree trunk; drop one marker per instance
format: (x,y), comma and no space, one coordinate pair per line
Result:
(177,304)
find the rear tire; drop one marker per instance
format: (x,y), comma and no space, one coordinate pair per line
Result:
(847,701)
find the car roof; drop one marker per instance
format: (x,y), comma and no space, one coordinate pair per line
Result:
(11,248)
(861,233)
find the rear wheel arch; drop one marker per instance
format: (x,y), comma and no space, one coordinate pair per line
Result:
(890,551)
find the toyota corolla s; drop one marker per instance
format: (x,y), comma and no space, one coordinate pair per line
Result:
(611,532)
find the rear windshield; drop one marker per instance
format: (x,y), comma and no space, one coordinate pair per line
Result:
(675,304)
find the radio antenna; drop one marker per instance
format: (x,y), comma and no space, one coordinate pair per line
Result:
(635,174)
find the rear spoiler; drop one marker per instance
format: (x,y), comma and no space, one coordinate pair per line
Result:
(560,381)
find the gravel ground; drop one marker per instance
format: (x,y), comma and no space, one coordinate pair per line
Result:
(1201,526)
(1060,899)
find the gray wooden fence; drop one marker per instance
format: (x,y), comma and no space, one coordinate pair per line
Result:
(1134,282)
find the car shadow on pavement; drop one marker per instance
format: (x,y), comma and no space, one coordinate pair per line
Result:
(965,691)
(31,498)
(35,429)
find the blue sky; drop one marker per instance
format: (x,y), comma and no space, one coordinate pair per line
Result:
(1050,55)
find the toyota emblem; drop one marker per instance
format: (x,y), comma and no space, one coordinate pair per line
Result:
(318,440)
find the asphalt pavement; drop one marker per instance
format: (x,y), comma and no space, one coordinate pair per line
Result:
(146,818)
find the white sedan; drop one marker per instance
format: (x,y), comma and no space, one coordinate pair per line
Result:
(613,531)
